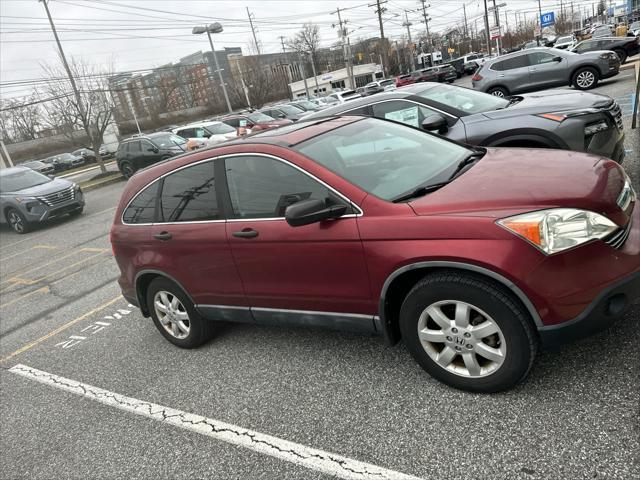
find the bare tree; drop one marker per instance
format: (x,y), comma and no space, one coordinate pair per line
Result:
(262,85)
(21,120)
(166,93)
(306,43)
(63,110)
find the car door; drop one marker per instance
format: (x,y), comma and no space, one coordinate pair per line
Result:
(150,153)
(287,270)
(189,237)
(545,70)
(514,73)
(134,154)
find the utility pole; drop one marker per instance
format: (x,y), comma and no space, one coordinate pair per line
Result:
(486,27)
(506,28)
(408,25)
(346,48)
(76,92)
(253,30)
(539,20)
(496,16)
(288,66)
(426,24)
(466,27)
(380,10)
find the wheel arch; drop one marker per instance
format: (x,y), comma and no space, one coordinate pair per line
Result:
(531,135)
(580,67)
(142,281)
(399,283)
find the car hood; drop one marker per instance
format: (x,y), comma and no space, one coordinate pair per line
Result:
(54,185)
(276,123)
(507,181)
(551,101)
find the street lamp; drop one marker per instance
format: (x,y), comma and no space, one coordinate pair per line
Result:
(209,29)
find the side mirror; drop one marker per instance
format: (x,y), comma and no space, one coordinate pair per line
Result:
(51,177)
(311,211)
(557,59)
(153,149)
(282,115)
(435,122)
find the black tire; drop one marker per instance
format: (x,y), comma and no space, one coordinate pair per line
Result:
(585,78)
(450,81)
(498,92)
(200,329)
(17,221)
(487,296)
(622,55)
(127,170)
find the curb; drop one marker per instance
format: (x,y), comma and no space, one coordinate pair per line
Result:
(103,182)
(71,174)
(630,65)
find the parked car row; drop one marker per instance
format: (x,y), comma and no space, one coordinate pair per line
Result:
(439,73)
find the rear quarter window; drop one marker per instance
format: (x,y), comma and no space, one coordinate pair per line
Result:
(142,208)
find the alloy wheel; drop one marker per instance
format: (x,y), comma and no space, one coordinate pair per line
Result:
(462,339)
(498,93)
(585,79)
(172,314)
(127,170)
(15,220)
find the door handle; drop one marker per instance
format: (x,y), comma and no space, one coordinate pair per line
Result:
(246,233)
(501,75)
(164,236)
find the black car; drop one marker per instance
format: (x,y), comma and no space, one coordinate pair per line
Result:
(86,154)
(284,111)
(39,166)
(561,119)
(623,46)
(445,73)
(143,150)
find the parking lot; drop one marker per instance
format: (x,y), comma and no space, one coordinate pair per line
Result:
(81,368)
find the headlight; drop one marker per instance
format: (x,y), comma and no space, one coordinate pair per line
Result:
(594,128)
(76,188)
(561,116)
(558,229)
(25,199)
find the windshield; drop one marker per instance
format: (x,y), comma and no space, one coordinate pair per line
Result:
(168,140)
(290,109)
(634,26)
(66,156)
(386,83)
(259,117)
(21,179)
(564,39)
(384,158)
(463,99)
(219,128)
(306,104)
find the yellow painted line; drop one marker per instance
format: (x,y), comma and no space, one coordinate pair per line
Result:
(55,260)
(31,282)
(60,329)
(35,247)
(91,249)
(44,289)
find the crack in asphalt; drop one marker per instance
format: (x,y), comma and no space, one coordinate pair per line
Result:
(168,413)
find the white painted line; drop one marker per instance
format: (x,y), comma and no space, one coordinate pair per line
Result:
(319,460)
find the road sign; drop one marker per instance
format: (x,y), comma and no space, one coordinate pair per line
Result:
(537,31)
(547,19)
(495,33)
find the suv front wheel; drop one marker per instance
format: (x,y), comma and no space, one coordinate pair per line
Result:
(468,332)
(585,78)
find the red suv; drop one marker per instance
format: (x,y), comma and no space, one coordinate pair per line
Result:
(474,257)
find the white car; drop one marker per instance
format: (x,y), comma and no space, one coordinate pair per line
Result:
(344,96)
(387,85)
(566,42)
(634,28)
(206,133)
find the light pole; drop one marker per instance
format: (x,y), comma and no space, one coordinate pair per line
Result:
(209,29)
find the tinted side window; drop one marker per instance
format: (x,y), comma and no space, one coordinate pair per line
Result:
(142,208)
(186,133)
(540,58)
(511,63)
(134,147)
(263,187)
(189,195)
(146,145)
(234,122)
(585,46)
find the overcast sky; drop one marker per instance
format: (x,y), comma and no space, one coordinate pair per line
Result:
(140,34)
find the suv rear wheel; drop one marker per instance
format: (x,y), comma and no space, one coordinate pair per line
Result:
(127,170)
(622,55)
(175,315)
(585,78)
(498,92)
(468,332)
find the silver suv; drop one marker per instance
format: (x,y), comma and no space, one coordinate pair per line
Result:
(539,68)
(28,197)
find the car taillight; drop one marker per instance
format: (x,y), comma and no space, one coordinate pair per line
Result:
(476,77)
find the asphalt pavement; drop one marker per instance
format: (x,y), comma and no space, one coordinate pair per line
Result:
(576,416)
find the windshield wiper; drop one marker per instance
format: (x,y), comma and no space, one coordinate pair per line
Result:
(419,191)
(466,162)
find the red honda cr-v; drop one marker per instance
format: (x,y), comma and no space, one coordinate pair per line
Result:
(474,257)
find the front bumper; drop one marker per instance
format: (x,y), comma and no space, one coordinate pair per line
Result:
(43,212)
(608,306)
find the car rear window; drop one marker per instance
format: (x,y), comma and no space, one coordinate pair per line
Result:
(142,208)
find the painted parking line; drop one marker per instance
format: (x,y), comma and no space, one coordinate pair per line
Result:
(17,279)
(314,459)
(61,328)
(35,247)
